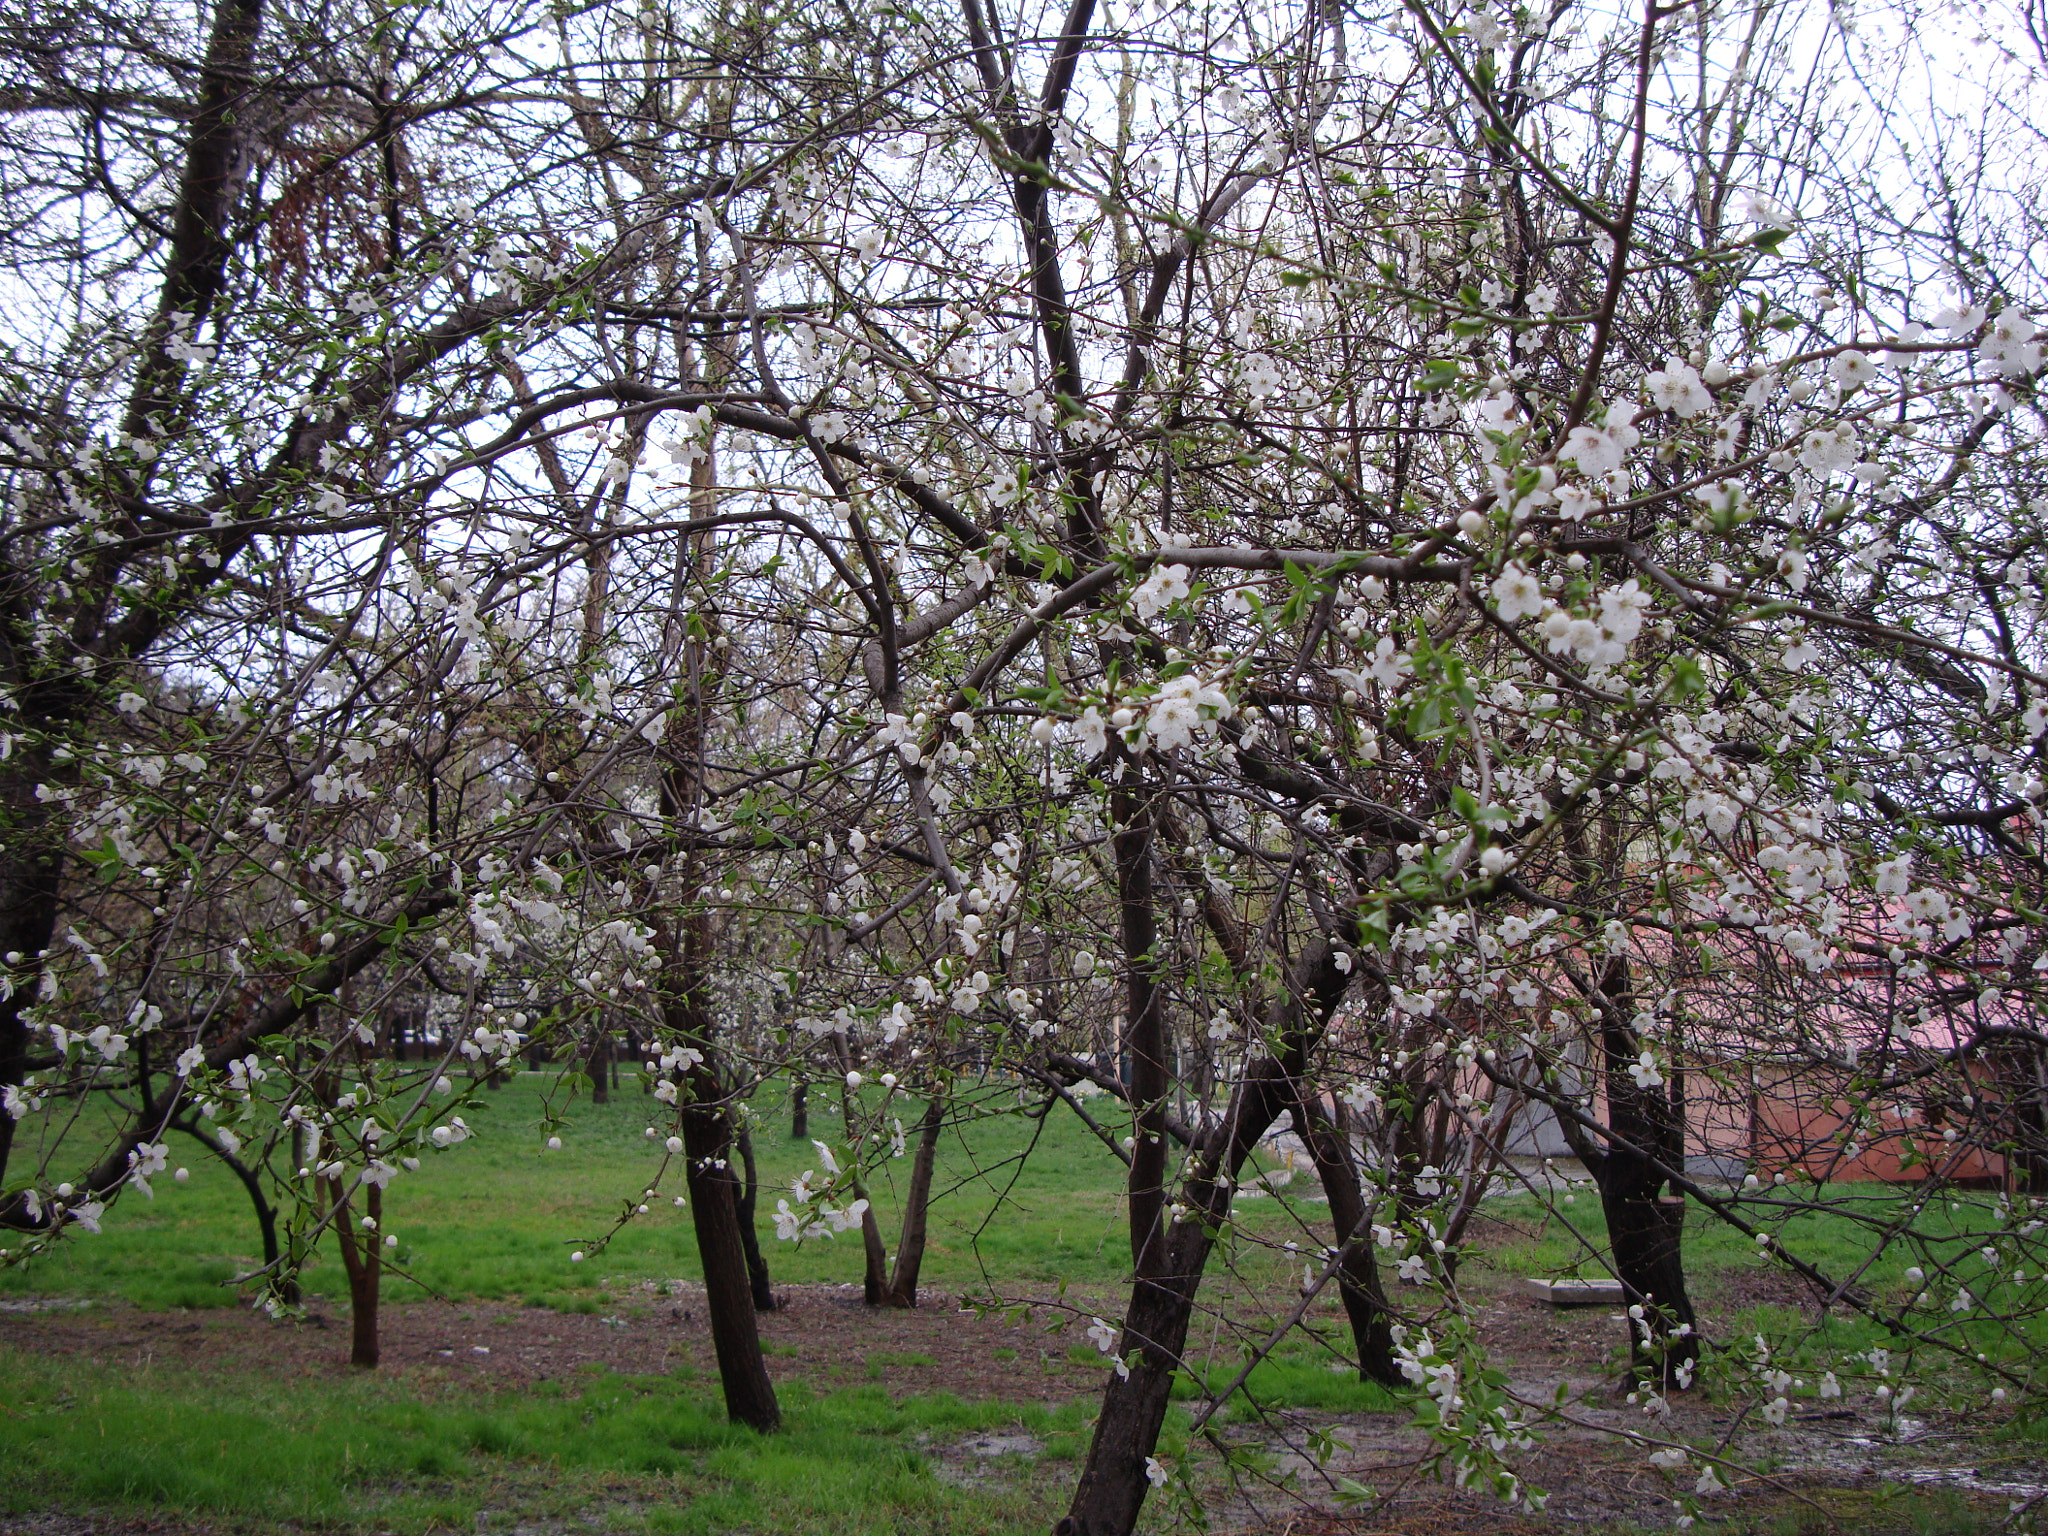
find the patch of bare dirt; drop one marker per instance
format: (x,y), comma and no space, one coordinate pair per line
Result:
(822,1334)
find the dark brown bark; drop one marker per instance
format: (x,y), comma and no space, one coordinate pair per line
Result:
(750,1239)
(1172,1256)
(800,1110)
(596,1065)
(217,161)
(1645,1229)
(714,1192)
(1358,1280)
(901,1290)
(728,1291)
(362,1257)
(874,1288)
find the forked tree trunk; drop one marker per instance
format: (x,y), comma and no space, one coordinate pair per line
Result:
(1358,1279)
(750,1239)
(901,1290)
(1169,1255)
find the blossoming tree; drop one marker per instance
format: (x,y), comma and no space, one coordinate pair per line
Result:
(1452,568)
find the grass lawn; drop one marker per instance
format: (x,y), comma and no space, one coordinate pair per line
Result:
(619,1452)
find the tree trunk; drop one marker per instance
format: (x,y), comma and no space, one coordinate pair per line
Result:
(800,1110)
(750,1239)
(910,1244)
(595,1066)
(30,875)
(286,1284)
(1644,1231)
(1114,1483)
(728,1292)
(687,1015)
(1358,1280)
(714,1192)
(1169,1256)
(362,1256)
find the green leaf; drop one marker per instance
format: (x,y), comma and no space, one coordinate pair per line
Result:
(1441,374)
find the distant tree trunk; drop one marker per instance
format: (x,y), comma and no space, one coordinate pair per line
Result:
(901,1290)
(750,1238)
(596,1067)
(800,1110)
(287,1284)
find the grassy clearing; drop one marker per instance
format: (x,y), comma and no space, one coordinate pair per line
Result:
(632,1453)
(497,1218)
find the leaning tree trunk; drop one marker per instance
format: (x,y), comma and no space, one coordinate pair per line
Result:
(1113,1484)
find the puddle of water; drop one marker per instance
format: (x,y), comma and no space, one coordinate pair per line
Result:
(1964,1477)
(1899,1433)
